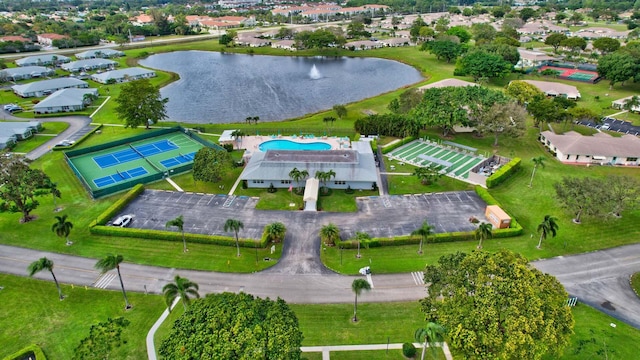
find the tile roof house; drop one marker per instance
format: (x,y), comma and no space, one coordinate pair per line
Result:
(447,82)
(46,87)
(64,100)
(556,89)
(601,148)
(47,39)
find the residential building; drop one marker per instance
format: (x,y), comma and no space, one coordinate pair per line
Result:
(363,45)
(103,53)
(64,100)
(532,59)
(620,103)
(600,148)
(42,60)
(446,83)
(19,130)
(26,72)
(48,39)
(123,75)
(15,38)
(7,141)
(89,65)
(47,87)
(556,89)
(284,44)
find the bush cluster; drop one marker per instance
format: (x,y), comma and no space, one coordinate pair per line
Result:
(504,173)
(117,206)
(396,145)
(27,352)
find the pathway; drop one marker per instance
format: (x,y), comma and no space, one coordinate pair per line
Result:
(326,350)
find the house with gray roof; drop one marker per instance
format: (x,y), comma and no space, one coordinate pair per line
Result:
(40,60)
(19,130)
(7,141)
(89,65)
(601,148)
(46,87)
(123,75)
(26,72)
(64,100)
(103,53)
(355,168)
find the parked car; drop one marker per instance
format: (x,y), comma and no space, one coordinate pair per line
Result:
(123,221)
(12,108)
(65,143)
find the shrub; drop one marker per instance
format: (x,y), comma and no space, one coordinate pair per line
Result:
(396,145)
(504,173)
(27,353)
(408,350)
(117,206)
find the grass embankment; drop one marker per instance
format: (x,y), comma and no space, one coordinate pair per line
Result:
(635,283)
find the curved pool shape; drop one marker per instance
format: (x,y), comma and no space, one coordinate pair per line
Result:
(292,145)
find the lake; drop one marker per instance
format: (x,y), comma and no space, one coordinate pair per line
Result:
(223,88)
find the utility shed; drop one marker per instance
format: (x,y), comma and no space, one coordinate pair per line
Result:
(497,217)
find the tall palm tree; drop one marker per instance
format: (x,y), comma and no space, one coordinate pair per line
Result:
(632,103)
(237,134)
(329,120)
(55,192)
(62,227)
(424,231)
(330,233)
(44,264)
(358,285)
(235,225)
(179,223)
(537,161)
(430,335)
(111,262)
(548,226)
(276,231)
(297,176)
(360,237)
(483,232)
(180,287)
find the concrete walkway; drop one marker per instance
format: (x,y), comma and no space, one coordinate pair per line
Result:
(326,350)
(151,346)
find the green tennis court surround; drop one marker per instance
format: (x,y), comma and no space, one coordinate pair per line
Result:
(119,165)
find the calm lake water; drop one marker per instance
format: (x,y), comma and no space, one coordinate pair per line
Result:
(223,88)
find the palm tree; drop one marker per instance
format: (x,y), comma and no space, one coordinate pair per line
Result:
(298,175)
(483,232)
(276,231)
(430,335)
(548,226)
(179,223)
(358,286)
(62,227)
(237,134)
(55,192)
(45,264)
(325,176)
(180,287)
(256,119)
(536,161)
(632,104)
(360,237)
(111,262)
(330,233)
(329,120)
(424,231)
(235,225)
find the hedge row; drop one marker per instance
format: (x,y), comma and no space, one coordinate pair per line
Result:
(396,145)
(515,228)
(504,173)
(22,353)
(79,141)
(117,206)
(177,236)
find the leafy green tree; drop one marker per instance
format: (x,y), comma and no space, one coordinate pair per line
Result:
(62,227)
(357,286)
(546,110)
(575,43)
(111,262)
(235,226)
(555,40)
(424,232)
(252,328)
(430,335)
(503,119)
(617,67)
(606,45)
(480,64)
(340,110)
(103,338)
(537,161)
(523,92)
(460,32)
(483,33)
(330,233)
(497,306)
(21,186)
(45,264)
(319,39)
(581,113)
(483,232)
(444,47)
(416,26)
(527,13)
(548,226)
(276,231)
(361,237)
(622,193)
(181,287)
(179,224)
(140,103)
(211,164)
(508,52)
(582,196)
(632,103)
(429,174)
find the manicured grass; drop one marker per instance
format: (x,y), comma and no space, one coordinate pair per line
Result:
(33,314)
(371,354)
(24,146)
(54,127)
(635,283)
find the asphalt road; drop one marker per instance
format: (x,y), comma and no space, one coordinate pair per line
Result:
(600,279)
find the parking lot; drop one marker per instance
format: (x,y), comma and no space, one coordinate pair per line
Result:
(611,124)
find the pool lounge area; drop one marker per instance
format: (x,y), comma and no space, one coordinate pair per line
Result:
(261,143)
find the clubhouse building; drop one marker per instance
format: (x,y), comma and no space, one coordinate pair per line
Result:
(600,148)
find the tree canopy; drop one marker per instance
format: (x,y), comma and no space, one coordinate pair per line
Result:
(103,339)
(234,326)
(523,92)
(444,47)
(503,119)
(495,305)
(617,67)
(483,65)
(22,185)
(140,103)
(211,164)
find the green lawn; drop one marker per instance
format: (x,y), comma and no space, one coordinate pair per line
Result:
(24,146)
(635,283)
(54,127)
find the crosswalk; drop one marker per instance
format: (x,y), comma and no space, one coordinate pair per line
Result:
(418,277)
(103,281)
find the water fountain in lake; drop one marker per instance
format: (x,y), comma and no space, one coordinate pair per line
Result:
(314,74)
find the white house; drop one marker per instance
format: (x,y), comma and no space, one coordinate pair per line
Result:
(47,87)
(26,72)
(19,130)
(531,59)
(41,60)
(123,75)
(89,64)
(64,100)
(620,103)
(556,89)
(103,53)
(601,148)
(284,44)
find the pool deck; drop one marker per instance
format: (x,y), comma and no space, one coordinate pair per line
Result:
(251,143)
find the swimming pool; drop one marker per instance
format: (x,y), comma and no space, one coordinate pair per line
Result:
(292,145)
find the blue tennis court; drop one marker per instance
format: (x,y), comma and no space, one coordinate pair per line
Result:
(135,153)
(180,159)
(119,176)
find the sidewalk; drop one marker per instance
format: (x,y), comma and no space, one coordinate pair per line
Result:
(326,350)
